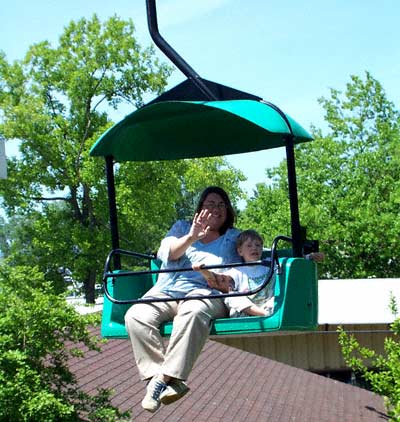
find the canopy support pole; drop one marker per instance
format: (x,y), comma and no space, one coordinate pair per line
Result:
(112,205)
(297,237)
(293,198)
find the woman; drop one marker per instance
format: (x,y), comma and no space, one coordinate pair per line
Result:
(210,239)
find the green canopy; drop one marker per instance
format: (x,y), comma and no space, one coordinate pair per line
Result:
(172,130)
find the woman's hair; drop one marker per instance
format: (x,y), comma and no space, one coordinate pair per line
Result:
(230,213)
(248,234)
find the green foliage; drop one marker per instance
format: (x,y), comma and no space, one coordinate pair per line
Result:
(267,212)
(31,241)
(349,190)
(384,375)
(35,327)
(56,102)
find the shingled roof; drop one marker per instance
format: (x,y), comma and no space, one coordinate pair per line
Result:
(228,384)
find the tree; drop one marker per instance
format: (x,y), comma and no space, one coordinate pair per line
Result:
(381,371)
(35,327)
(348,186)
(54,102)
(268,213)
(4,237)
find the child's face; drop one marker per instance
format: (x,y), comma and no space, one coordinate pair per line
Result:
(251,250)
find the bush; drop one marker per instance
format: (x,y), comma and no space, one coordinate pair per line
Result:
(384,375)
(35,381)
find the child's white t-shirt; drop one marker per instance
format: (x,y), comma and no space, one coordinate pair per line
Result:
(249,278)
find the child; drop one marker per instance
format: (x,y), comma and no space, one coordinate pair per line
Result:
(241,279)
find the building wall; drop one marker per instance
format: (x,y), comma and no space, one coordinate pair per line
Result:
(317,351)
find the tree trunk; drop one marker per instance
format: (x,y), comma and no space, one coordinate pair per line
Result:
(90,287)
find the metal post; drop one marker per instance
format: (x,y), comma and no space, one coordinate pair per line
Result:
(297,237)
(112,205)
(3,159)
(293,198)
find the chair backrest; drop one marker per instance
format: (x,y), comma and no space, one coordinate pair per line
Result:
(122,288)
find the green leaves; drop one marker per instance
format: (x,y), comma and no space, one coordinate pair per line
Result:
(55,102)
(381,371)
(35,328)
(348,185)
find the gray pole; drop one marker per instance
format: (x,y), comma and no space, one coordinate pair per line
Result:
(3,159)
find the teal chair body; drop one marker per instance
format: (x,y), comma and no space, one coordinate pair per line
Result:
(296,303)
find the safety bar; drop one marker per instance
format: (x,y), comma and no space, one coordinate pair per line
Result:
(118,252)
(273,259)
(264,262)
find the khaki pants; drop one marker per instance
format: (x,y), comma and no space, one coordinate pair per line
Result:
(191,327)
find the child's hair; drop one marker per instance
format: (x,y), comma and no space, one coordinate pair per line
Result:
(248,234)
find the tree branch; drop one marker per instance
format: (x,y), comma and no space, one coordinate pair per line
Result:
(53,198)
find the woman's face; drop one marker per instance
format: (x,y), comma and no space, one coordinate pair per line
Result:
(217,207)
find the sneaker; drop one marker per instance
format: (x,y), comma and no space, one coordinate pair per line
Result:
(151,401)
(174,391)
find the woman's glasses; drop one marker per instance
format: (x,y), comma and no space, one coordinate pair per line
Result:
(213,205)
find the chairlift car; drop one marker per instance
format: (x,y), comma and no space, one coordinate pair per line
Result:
(200,118)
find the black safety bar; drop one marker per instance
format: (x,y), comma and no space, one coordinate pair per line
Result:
(266,262)
(118,252)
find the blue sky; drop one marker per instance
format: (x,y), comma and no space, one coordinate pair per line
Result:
(289,53)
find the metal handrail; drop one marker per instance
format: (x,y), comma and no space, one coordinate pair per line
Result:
(266,262)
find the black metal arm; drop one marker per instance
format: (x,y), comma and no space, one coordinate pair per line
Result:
(178,61)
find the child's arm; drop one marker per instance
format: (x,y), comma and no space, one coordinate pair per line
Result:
(266,309)
(255,310)
(315,256)
(221,282)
